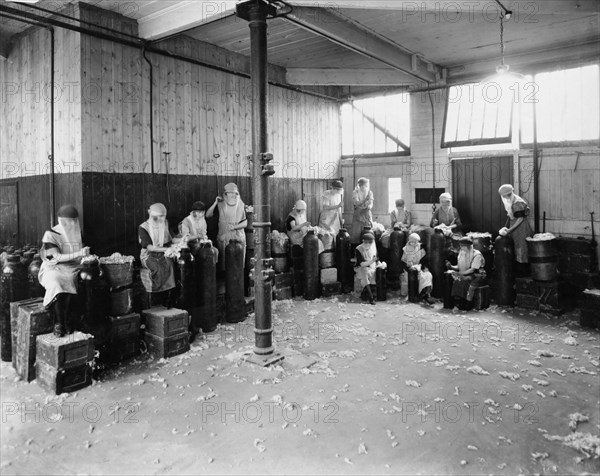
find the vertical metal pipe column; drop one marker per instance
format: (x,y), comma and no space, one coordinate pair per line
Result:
(256,13)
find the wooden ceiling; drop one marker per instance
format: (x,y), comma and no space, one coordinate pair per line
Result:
(444,40)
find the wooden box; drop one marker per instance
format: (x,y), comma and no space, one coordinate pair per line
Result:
(123,348)
(590,318)
(283,280)
(329,275)
(160,347)
(63,380)
(33,320)
(527,301)
(72,350)
(163,322)
(124,326)
(280,294)
(14,317)
(481,298)
(526,286)
(331,289)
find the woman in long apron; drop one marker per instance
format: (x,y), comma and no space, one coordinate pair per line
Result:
(330,219)
(157,273)
(518,227)
(232,220)
(362,199)
(61,253)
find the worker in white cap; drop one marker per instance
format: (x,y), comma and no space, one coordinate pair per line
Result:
(231,212)
(446,215)
(62,250)
(157,272)
(362,199)
(332,201)
(517,224)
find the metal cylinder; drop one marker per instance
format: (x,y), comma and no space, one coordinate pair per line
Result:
(13,287)
(249,231)
(33,271)
(280,251)
(343,255)
(448,282)
(425,235)
(437,260)
(186,287)
(327,257)
(234,282)
(543,259)
(311,265)
(413,285)
(206,287)
(381,284)
(504,272)
(397,242)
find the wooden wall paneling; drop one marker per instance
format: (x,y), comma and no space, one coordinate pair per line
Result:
(178,148)
(9,213)
(190,155)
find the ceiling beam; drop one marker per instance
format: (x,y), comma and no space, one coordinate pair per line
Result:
(348,77)
(466,7)
(355,37)
(181,16)
(530,62)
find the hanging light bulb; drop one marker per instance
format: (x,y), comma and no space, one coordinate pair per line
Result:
(503,70)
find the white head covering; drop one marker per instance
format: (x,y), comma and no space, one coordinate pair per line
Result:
(445,196)
(157,229)
(300,216)
(508,202)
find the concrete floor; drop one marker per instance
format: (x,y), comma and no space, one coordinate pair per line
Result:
(395,388)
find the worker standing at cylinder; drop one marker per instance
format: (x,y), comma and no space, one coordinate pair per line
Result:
(157,273)
(232,219)
(518,227)
(366,265)
(194,225)
(332,201)
(62,250)
(362,200)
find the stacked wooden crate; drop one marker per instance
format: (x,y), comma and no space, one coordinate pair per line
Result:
(330,285)
(166,331)
(30,319)
(123,338)
(283,285)
(64,364)
(590,308)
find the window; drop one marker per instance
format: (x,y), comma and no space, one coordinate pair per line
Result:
(479,113)
(394,191)
(375,127)
(428,195)
(567,106)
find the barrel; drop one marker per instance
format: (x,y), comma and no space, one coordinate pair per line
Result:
(504,271)
(311,266)
(413,285)
(280,251)
(397,242)
(327,257)
(343,255)
(95,292)
(437,262)
(118,274)
(448,282)
(543,259)
(234,282)
(186,288)
(205,261)
(33,271)
(381,284)
(13,287)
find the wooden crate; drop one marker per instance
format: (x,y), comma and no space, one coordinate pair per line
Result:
(14,317)
(163,322)
(481,298)
(166,347)
(283,280)
(331,289)
(124,326)
(33,320)
(59,381)
(526,286)
(71,350)
(120,349)
(527,301)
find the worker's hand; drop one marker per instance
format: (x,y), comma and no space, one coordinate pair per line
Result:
(218,199)
(435,222)
(231,227)
(85,251)
(503,231)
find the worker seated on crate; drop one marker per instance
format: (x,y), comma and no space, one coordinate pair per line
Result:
(297,226)
(413,256)
(62,250)
(193,227)
(468,274)
(157,272)
(398,216)
(231,212)
(366,266)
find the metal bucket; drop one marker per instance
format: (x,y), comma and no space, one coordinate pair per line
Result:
(543,259)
